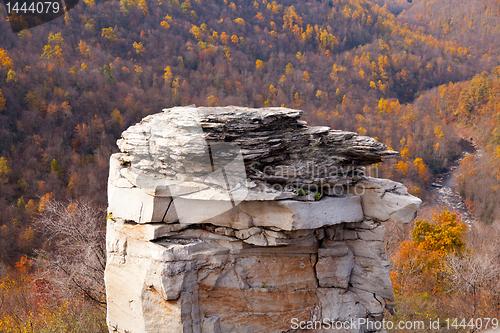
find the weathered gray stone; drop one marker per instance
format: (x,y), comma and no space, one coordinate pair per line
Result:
(372,275)
(273,140)
(372,234)
(367,249)
(211,324)
(384,200)
(403,208)
(133,204)
(335,250)
(246,233)
(296,215)
(374,305)
(258,239)
(334,271)
(225,231)
(365,224)
(338,305)
(199,241)
(350,234)
(148,231)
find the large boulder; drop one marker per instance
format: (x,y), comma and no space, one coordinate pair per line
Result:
(247,220)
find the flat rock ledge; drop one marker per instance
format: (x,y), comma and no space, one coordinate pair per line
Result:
(207,233)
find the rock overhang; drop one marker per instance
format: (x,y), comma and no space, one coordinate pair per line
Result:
(237,219)
(219,158)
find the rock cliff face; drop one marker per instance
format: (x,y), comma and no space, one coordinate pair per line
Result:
(247,220)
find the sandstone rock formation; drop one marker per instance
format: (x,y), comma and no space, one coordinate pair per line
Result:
(247,220)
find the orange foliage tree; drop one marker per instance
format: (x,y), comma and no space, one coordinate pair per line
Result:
(419,264)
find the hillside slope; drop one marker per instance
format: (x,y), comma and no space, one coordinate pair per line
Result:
(69,87)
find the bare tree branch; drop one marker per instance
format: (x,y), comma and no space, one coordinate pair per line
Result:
(76,232)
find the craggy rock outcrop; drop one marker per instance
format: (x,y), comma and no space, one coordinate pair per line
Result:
(276,146)
(247,220)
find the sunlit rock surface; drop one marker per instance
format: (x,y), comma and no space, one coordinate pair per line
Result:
(247,220)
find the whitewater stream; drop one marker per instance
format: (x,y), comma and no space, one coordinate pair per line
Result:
(446,194)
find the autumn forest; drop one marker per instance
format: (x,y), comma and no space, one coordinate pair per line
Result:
(422,77)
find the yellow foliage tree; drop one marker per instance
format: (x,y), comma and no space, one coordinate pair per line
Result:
(185,6)
(167,75)
(196,32)
(347,11)
(418,265)
(144,7)
(139,48)
(258,64)
(405,153)
(11,76)
(2,101)
(421,168)
(84,48)
(305,76)
(224,38)
(300,56)
(4,170)
(227,53)
(402,168)
(212,100)
(108,33)
(165,23)
(239,21)
(56,39)
(361,131)
(438,132)
(116,117)
(53,54)
(5,61)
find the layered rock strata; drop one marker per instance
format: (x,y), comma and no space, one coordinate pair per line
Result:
(218,223)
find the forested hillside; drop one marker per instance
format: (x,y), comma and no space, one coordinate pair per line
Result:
(416,76)
(472,23)
(71,86)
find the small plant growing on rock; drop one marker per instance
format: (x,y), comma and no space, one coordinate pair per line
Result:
(301,192)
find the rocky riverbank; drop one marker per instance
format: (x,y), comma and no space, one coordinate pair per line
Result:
(445,193)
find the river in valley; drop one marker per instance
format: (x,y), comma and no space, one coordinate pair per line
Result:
(445,192)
